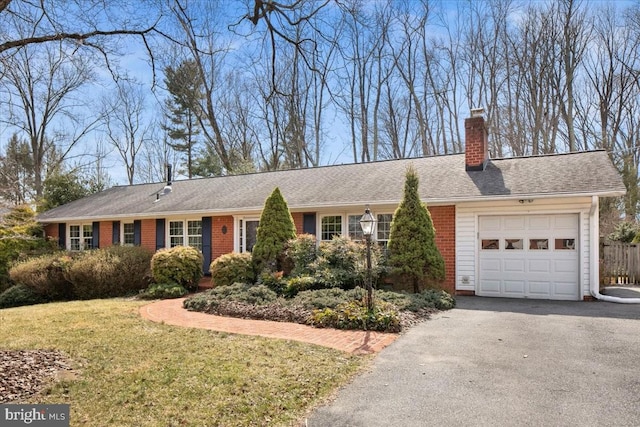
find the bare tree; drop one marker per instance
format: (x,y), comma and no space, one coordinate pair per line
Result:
(127,127)
(41,86)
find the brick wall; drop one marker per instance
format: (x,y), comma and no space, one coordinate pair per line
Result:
(221,242)
(298,221)
(444,221)
(106,234)
(51,231)
(148,234)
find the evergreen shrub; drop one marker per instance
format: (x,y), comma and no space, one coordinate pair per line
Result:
(230,268)
(18,296)
(180,264)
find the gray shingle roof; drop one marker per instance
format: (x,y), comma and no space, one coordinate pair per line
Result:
(442,179)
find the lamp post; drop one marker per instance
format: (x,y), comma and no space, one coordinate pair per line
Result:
(367,223)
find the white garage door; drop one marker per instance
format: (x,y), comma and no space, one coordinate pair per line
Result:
(529,256)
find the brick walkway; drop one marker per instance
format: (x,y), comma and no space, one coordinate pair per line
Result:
(170,311)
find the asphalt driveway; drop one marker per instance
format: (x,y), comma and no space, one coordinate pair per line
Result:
(503,362)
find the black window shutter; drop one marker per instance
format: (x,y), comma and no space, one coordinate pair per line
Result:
(115,234)
(160,239)
(62,235)
(309,223)
(95,237)
(137,232)
(206,244)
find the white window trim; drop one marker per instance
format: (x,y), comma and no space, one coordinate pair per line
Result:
(236,230)
(345,223)
(122,223)
(82,246)
(185,230)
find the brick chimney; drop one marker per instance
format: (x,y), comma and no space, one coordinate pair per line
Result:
(476,147)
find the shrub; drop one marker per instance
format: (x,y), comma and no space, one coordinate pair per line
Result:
(275,230)
(19,295)
(45,275)
(231,268)
(163,291)
(238,292)
(181,265)
(413,254)
(354,315)
(301,252)
(110,272)
(299,284)
(323,298)
(273,281)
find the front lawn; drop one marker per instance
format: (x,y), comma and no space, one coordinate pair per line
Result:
(133,372)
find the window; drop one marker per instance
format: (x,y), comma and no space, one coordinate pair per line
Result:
(355,231)
(247,234)
(80,237)
(176,233)
(185,233)
(536,244)
(330,226)
(565,244)
(513,244)
(127,234)
(383,229)
(490,244)
(194,234)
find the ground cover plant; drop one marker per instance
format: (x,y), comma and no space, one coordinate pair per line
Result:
(133,372)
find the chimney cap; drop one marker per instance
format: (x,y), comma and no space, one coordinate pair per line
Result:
(477,112)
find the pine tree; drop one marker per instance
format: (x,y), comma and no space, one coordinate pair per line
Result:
(413,254)
(275,230)
(186,92)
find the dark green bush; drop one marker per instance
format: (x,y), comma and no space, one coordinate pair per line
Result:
(427,299)
(181,265)
(110,272)
(46,275)
(325,298)
(301,283)
(273,281)
(301,252)
(354,315)
(19,295)
(238,292)
(163,291)
(231,268)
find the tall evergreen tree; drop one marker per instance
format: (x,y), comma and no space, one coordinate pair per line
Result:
(17,172)
(186,90)
(275,230)
(413,254)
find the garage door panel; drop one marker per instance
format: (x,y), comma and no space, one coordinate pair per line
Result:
(539,266)
(548,268)
(539,289)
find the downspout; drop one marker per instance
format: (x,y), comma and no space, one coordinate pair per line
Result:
(594,274)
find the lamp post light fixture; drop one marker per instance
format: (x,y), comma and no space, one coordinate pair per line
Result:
(367,223)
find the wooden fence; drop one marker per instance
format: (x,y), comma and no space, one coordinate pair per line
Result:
(619,263)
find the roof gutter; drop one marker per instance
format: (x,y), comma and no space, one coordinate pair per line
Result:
(594,285)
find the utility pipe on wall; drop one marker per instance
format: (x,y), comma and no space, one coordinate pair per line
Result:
(594,285)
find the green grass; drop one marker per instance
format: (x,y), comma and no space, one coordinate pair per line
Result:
(134,372)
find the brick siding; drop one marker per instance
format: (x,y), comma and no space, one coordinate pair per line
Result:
(106,234)
(476,139)
(148,234)
(444,222)
(298,221)
(221,243)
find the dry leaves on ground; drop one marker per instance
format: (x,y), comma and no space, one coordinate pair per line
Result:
(25,372)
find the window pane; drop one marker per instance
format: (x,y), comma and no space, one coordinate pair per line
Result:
(535,244)
(74,230)
(87,236)
(128,234)
(490,244)
(251,234)
(513,244)
(565,244)
(176,233)
(355,231)
(330,226)
(194,228)
(384,227)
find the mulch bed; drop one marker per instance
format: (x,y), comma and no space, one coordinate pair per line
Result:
(24,373)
